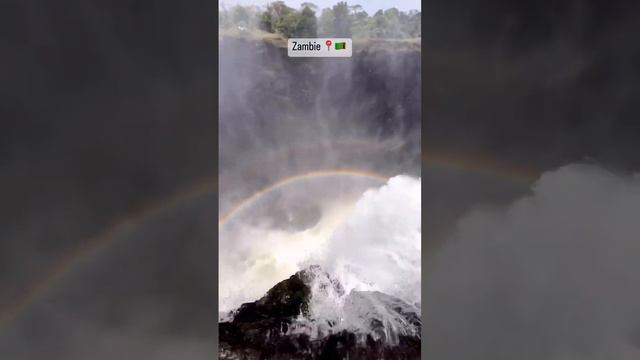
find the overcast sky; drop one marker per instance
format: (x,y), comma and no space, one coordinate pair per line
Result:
(370,6)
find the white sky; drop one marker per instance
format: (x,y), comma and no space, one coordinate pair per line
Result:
(370,6)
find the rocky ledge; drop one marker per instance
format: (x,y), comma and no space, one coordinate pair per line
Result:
(279,325)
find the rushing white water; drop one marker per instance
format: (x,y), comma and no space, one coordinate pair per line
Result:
(363,313)
(371,245)
(377,248)
(374,257)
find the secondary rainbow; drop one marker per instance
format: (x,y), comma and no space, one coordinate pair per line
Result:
(103,240)
(100,242)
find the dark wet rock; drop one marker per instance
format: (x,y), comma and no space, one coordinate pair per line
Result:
(261,329)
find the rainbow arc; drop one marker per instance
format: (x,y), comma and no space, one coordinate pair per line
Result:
(209,186)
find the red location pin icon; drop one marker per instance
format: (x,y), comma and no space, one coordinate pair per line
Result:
(328,43)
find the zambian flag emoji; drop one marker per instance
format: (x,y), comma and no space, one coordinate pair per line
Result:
(341,45)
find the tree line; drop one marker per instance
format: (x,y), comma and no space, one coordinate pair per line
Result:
(341,20)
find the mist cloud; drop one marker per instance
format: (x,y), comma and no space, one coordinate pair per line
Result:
(552,276)
(369,240)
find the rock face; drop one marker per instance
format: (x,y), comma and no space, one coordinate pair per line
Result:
(281,325)
(374,95)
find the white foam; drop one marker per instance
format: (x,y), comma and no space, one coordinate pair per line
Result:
(374,253)
(378,247)
(372,245)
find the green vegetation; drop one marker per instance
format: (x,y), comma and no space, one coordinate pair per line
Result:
(341,20)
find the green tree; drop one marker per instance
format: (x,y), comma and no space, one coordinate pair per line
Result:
(393,26)
(279,9)
(341,20)
(309,5)
(266,22)
(274,18)
(359,21)
(279,18)
(307,23)
(415,23)
(288,25)
(378,25)
(325,23)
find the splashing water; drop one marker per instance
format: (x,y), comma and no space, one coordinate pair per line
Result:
(372,285)
(378,247)
(370,250)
